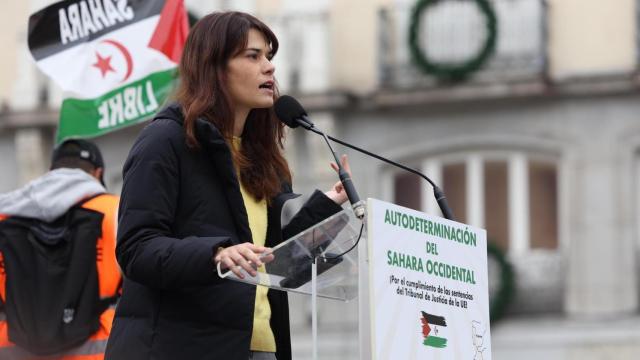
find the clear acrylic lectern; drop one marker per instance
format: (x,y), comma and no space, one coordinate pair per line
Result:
(320,261)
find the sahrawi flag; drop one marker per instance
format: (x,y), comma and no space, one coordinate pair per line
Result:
(115,59)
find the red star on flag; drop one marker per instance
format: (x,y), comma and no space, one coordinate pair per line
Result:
(103,64)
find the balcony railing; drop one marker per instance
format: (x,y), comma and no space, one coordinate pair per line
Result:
(452,31)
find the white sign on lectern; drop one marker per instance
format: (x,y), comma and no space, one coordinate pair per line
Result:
(428,286)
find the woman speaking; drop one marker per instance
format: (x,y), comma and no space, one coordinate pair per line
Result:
(204,184)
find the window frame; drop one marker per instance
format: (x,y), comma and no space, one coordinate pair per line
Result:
(518,162)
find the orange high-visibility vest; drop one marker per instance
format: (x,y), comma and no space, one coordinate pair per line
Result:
(109,280)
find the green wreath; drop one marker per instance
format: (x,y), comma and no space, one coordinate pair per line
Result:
(498,303)
(447,71)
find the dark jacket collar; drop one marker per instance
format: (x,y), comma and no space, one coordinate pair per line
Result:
(217,150)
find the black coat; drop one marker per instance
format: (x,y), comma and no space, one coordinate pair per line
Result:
(177,207)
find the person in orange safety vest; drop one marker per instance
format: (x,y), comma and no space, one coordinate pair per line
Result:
(75,179)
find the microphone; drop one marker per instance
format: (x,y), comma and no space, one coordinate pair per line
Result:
(292,114)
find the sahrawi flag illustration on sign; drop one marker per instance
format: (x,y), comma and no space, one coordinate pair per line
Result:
(115,59)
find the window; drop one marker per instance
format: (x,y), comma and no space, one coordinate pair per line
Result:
(513,195)
(543,197)
(454,186)
(407,190)
(496,203)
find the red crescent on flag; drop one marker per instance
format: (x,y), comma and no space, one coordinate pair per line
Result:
(125,53)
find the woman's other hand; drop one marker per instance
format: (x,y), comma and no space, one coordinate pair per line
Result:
(244,256)
(337,193)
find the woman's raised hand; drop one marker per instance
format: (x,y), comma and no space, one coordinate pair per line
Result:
(242,256)
(337,193)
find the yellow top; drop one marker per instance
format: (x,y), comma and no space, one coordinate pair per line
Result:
(262,338)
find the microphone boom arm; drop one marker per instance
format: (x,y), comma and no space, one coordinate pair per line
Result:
(356,204)
(437,192)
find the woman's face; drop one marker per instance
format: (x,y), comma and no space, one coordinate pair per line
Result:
(250,74)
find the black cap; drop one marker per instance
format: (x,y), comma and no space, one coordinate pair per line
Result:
(80,149)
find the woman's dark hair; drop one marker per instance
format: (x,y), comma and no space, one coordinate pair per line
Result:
(202,92)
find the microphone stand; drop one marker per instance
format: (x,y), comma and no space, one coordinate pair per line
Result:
(345,179)
(356,204)
(437,192)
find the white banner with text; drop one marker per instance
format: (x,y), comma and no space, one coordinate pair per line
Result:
(428,286)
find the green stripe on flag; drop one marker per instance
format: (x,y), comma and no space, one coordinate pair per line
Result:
(435,341)
(119,108)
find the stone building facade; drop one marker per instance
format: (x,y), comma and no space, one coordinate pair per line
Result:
(541,147)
